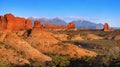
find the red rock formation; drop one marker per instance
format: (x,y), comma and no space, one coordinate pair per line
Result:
(19,23)
(2,23)
(62,27)
(10,22)
(37,24)
(47,26)
(106,27)
(71,25)
(55,26)
(28,24)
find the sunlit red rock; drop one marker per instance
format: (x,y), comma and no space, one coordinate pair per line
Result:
(20,23)
(38,24)
(47,26)
(10,22)
(28,24)
(55,26)
(62,27)
(106,27)
(71,25)
(13,23)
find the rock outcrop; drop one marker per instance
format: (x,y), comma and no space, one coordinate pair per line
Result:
(47,26)
(41,37)
(63,27)
(106,27)
(2,23)
(10,22)
(13,23)
(20,45)
(71,25)
(38,24)
(55,26)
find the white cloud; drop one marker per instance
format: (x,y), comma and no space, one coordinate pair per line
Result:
(74,18)
(69,18)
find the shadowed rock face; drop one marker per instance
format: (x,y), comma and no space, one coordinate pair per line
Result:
(28,24)
(10,22)
(106,27)
(2,23)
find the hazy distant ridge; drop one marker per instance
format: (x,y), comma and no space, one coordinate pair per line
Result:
(78,23)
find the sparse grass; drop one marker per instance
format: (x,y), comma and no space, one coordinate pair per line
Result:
(60,60)
(1,42)
(4,64)
(84,32)
(99,46)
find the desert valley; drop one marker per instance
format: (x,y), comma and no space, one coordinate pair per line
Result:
(23,44)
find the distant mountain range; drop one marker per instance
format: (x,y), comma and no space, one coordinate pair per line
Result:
(87,24)
(56,20)
(79,23)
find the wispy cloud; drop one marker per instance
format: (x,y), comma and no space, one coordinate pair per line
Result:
(74,18)
(71,18)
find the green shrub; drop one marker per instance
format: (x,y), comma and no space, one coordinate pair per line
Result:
(4,64)
(60,60)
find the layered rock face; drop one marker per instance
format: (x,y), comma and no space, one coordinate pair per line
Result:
(106,27)
(10,22)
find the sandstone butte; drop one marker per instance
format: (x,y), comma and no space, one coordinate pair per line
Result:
(10,22)
(106,27)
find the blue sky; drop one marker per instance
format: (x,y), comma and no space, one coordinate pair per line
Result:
(98,11)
